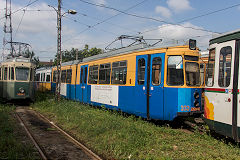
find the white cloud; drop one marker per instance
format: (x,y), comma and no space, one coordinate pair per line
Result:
(178,34)
(179,5)
(165,12)
(100,2)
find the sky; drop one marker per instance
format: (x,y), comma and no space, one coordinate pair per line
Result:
(99,22)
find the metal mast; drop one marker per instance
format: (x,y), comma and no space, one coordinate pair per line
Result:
(59,54)
(7,29)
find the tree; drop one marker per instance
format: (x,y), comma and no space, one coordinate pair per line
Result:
(74,54)
(33,58)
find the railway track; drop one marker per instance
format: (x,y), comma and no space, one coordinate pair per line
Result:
(50,140)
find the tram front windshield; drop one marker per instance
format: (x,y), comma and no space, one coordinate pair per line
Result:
(22,73)
(192,74)
(175,71)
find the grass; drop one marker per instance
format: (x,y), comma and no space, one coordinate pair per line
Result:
(113,136)
(10,147)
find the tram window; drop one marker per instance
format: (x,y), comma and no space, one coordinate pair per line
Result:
(12,73)
(192,74)
(9,75)
(85,77)
(156,70)
(69,76)
(0,73)
(191,58)
(202,67)
(225,60)
(38,77)
(175,71)
(63,76)
(119,72)
(48,78)
(104,73)
(22,73)
(141,71)
(81,77)
(54,76)
(210,68)
(43,77)
(31,73)
(93,74)
(5,73)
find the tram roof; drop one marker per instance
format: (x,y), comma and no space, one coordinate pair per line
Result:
(232,35)
(120,51)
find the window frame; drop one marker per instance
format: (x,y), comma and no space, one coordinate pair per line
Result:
(139,73)
(106,72)
(93,69)
(219,65)
(160,72)
(119,66)
(213,68)
(167,80)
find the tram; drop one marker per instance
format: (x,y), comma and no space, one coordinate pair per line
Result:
(155,83)
(43,79)
(221,107)
(17,79)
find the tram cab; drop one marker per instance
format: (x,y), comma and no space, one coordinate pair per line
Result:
(222,99)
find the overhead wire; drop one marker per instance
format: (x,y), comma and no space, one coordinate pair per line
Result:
(21,20)
(104,21)
(21,8)
(144,17)
(199,16)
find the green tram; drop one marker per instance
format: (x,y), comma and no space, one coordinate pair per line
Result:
(17,79)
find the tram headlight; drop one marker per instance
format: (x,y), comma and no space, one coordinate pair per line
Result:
(196,103)
(21,90)
(196,95)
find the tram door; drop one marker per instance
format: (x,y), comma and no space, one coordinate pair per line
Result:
(83,83)
(149,85)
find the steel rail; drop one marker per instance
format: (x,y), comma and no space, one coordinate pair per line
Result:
(85,149)
(43,156)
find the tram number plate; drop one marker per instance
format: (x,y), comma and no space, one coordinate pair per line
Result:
(21,94)
(195,109)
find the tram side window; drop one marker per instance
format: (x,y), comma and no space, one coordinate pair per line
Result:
(104,73)
(85,77)
(81,77)
(210,68)
(38,77)
(225,60)
(93,74)
(9,75)
(156,70)
(43,77)
(141,71)
(63,76)
(119,72)
(12,73)
(54,76)
(175,71)
(48,78)
(69,76)
(5,73)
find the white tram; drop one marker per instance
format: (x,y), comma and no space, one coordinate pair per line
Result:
(222,99)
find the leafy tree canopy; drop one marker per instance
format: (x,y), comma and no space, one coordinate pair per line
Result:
(74,54)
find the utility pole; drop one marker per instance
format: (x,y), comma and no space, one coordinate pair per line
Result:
(59,54)
(7,39)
